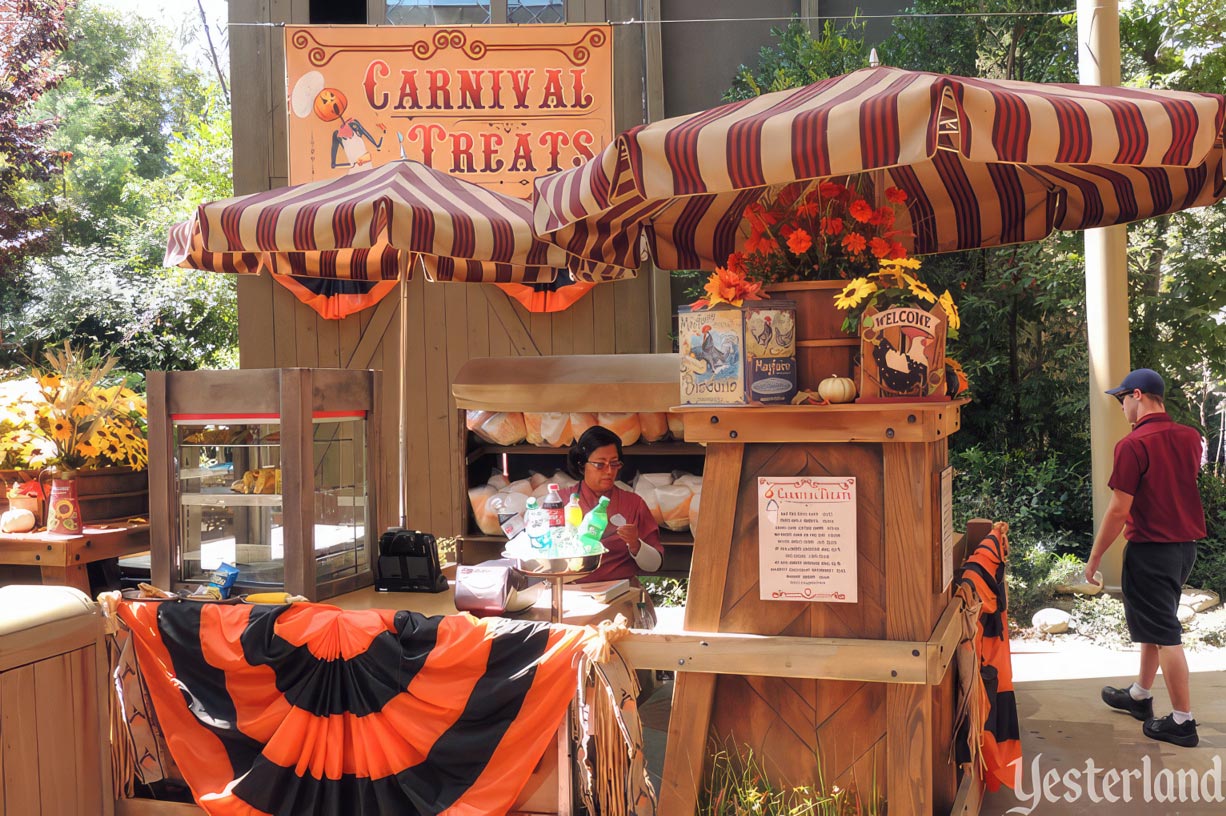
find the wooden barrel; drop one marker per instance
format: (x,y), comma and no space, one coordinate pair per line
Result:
(823,349)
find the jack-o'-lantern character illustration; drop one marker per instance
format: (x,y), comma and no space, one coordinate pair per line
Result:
(349,140)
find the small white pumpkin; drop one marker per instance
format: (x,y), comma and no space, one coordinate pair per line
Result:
(837,389)
(17,521)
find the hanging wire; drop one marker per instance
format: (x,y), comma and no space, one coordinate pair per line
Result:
(797,18)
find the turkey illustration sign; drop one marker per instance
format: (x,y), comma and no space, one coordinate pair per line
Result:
(807,538)
(495,105)
(902,354)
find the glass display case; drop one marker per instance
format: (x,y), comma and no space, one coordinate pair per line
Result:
(253,481)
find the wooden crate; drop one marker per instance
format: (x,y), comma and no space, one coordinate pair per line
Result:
(54,755)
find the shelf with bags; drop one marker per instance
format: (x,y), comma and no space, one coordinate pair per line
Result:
(637,449)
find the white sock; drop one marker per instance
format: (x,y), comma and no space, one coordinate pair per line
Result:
(1181,717)
(1137,693)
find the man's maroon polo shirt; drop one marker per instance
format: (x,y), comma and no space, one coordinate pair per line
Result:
(1157,465)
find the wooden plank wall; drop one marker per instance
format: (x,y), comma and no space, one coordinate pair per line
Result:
(447,323)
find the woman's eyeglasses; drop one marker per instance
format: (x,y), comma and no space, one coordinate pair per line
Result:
(613,464)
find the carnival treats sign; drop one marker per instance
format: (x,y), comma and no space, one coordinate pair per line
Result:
(807,538)
(902,353)
(495,105)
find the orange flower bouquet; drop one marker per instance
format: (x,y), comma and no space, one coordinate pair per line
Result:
(729,286)
(825,232)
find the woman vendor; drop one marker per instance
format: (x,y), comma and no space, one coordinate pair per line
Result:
(632,537)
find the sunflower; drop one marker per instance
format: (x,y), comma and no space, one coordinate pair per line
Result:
(61,429)
(951,309)
(920,289)
(854,292)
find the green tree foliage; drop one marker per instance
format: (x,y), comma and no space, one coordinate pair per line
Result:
(32,34)
(150,139)
(797,58)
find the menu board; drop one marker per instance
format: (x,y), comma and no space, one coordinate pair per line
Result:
(807,538)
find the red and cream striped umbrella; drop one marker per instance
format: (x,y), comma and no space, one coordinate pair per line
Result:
(984,163)
(362,225)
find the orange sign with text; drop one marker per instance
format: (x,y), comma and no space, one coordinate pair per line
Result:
(496,105)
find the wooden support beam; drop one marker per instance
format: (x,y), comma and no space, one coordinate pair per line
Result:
(693,694)
(913,422)
(857,659)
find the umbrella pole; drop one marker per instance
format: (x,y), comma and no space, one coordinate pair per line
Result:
(402,447)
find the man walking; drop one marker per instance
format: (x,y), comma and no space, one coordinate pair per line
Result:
(1156,502)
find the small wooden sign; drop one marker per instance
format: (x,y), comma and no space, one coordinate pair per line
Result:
(807,538)
(902,354)
(945,496)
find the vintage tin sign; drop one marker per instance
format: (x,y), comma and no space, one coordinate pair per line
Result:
(770,343)
(738,356)
(712,357)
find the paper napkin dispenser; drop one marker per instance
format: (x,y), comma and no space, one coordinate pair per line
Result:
(494,588)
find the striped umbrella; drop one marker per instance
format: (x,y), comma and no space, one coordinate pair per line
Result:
(372,226)
(984,163)
(356,227)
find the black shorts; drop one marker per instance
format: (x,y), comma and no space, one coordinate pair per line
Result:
(1153,579)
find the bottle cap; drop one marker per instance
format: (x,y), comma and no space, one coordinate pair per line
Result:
(553,488)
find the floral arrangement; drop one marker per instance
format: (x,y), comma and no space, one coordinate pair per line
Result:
(65,417)
(829,232)
(728,286)
(895,283)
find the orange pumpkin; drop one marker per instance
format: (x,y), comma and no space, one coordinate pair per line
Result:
(837,389)
(330,104)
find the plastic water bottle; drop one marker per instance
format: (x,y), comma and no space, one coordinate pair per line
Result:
(536,522)
(512,523)
(554,508)
(597,519)
(574,513)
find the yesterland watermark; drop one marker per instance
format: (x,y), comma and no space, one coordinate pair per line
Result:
(1103,785)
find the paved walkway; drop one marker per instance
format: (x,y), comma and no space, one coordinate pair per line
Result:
(1069,736)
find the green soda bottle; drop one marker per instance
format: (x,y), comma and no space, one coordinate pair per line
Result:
(593,525)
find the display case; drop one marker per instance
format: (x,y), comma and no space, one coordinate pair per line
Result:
(270,470)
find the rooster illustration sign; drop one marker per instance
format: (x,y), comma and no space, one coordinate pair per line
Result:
(902,354)
(738,356)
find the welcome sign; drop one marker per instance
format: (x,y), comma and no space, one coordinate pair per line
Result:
(495,105)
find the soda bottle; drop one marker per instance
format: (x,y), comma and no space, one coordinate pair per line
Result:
(574,513)
(510,521)
(597,519)
(536,522)
(554,508)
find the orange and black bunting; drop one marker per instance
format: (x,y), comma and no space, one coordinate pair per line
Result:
(336,299)
(984,570)
(307,709)
(555,296)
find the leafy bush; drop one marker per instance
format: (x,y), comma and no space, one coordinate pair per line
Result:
(1035,568)
(666,591)
(1210,569)
(1042,497)
(1101,619)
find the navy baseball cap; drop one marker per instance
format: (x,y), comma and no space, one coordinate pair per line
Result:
(1146,380)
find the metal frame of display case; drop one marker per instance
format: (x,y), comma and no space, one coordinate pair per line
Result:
(297,396)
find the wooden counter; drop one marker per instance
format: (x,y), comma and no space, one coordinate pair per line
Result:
(579,608)
(61,559)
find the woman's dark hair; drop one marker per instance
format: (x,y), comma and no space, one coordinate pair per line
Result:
(594,437)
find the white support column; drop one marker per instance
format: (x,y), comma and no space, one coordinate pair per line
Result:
(1098,39)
